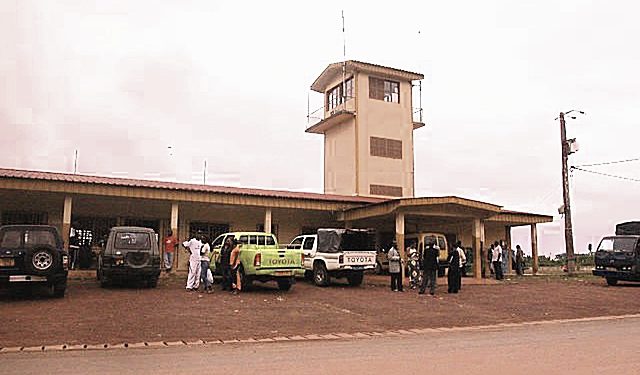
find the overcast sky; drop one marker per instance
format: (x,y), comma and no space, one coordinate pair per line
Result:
(121,81)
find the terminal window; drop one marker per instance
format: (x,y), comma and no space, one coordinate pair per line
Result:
(381,89)
(339,94)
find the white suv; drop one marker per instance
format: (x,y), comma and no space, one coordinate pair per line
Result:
(337,253)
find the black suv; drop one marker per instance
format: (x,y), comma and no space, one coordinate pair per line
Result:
(33,254)
(618,257)
(131,253)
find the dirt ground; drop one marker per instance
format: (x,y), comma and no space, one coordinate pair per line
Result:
(91,315)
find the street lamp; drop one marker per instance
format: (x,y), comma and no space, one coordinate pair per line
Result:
(568,147)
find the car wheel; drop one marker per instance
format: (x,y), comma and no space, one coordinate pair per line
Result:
(611,281)
(284,284)
(99,268)
(153,282)
(355,279)
(42,260)
(59,288)
(378,268)
(246,281)
(320,274)
(104,281)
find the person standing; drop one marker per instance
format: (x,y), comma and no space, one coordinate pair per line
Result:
(170,245)
(205,259)
(395,269)
(519,260)
(453,275)
(193,246)
(234,262)
(490,259)
(430,268)
(225,263)
(462,261)
(414,266)
(74,247)
(496,259)
(505,257)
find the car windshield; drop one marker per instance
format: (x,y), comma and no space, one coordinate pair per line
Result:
(13,239)
(133,241)
(39,237)
(296,243)
(617,244)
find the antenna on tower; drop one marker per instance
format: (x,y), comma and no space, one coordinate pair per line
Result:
(204,173)
(344,61)
(75,161)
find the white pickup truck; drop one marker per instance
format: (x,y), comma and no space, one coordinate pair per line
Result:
(337,253)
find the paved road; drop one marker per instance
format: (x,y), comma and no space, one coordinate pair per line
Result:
(598,347)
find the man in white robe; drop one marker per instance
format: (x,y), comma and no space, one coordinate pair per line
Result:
(193,246)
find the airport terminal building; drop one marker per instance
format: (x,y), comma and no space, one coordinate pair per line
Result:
(367,121)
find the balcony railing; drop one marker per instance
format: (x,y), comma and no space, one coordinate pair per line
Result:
(315,116)
(320,114)
(418,115)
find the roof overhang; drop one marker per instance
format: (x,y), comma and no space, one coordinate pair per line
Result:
(331,72)
(428,206)
(448,208)
(514,218)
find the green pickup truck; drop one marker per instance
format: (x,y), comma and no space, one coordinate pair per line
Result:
(261,259)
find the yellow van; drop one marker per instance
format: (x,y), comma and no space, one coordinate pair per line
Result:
(438,238)
(382,264)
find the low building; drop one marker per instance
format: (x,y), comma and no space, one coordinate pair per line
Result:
(368,121)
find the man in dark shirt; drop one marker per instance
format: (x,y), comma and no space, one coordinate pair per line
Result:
(430,268)
(225,257)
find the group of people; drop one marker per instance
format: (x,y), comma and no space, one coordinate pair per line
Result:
(495,257)
(200,253)
(423,267)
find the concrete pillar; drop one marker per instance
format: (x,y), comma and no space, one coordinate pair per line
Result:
(66,220)
(400,240)
(173,224)
(477,235)
(507,241)
(534,248)
(267,220)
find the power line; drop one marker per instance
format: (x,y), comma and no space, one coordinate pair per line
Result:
(608,162)
(606,174)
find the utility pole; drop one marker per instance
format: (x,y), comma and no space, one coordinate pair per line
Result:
(568,228)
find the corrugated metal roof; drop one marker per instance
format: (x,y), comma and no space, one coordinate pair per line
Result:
(153,184)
